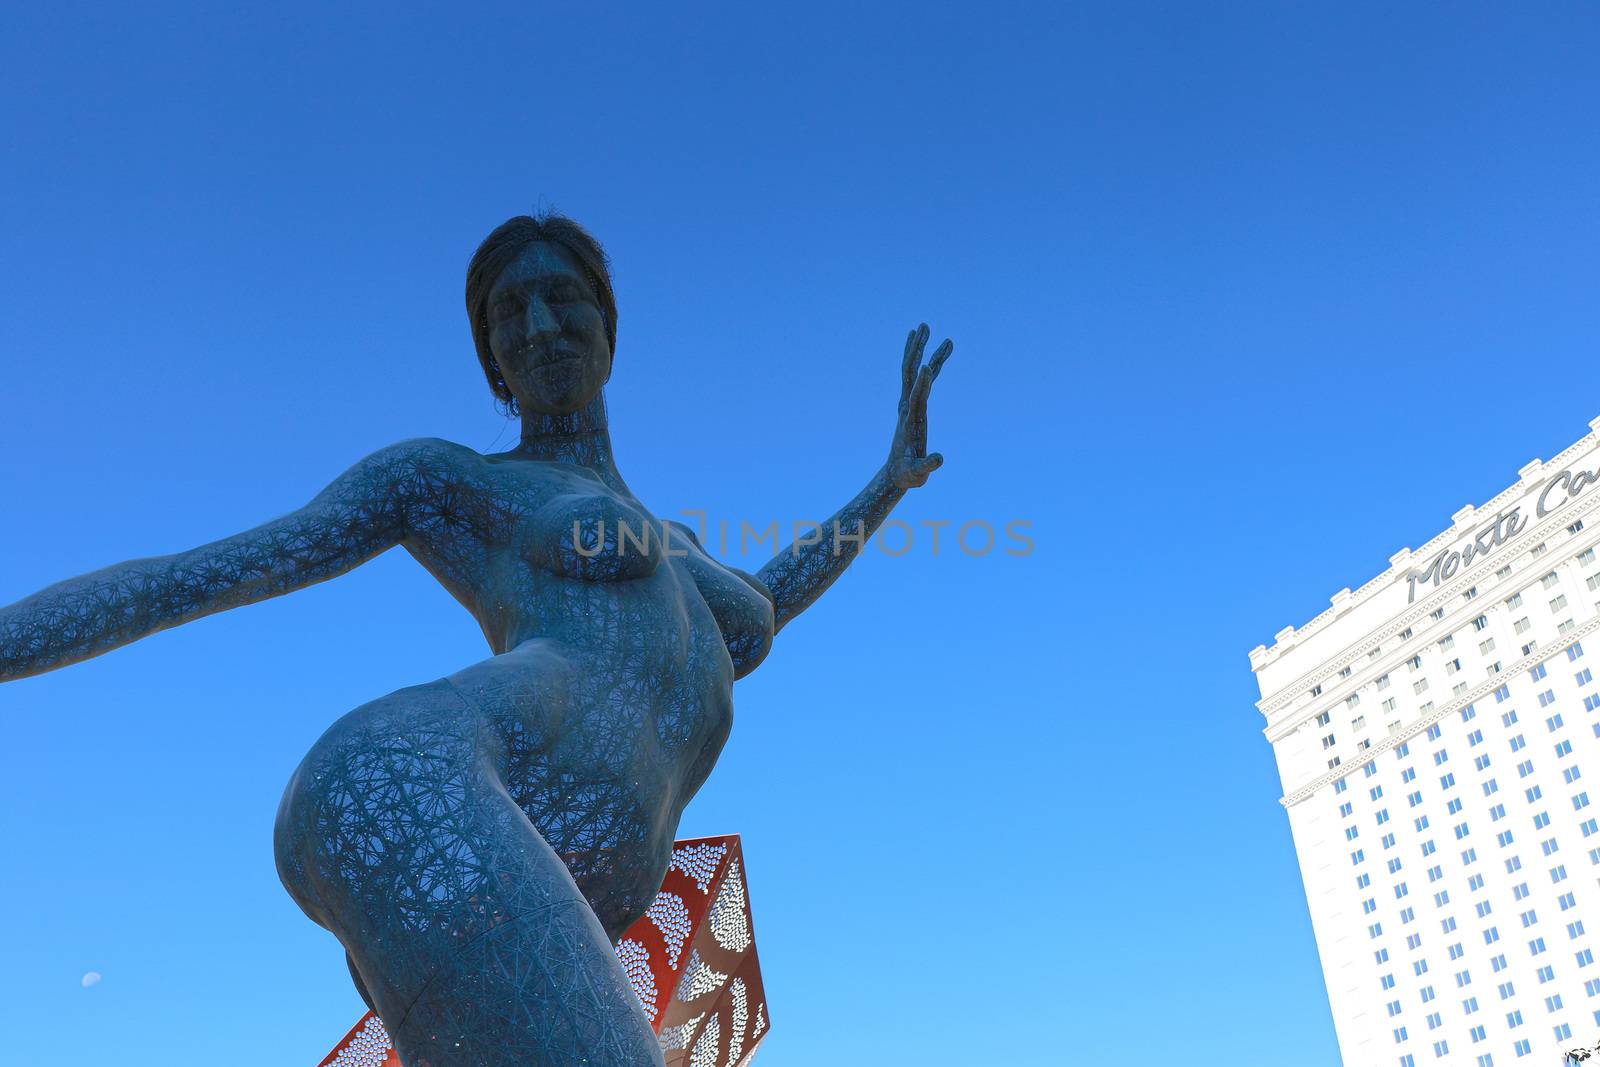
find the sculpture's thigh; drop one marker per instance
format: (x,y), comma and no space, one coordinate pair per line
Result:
(475,944)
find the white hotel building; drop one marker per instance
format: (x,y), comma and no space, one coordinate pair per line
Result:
(1438,738)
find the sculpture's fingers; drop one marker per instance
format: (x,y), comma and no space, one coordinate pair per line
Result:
(941,354)
(908,365)
(917,414)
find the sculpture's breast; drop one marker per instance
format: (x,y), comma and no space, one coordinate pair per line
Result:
(596,537)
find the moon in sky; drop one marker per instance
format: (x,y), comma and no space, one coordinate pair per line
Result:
(91,979)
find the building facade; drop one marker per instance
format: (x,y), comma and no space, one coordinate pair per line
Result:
(1437,733)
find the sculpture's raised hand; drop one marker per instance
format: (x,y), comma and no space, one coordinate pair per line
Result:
(909,462)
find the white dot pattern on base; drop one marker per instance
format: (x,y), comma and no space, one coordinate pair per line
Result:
(729,923)
(741,1019)
(677,1037)
(698,862)
(698,978)
(368,1048)
(636,961)
(705,1050)
(671,917)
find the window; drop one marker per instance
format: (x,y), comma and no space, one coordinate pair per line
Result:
(1327,742)
(1558,603)
(1481,623)
(1420,686)
(1352,700)
(1486,646)
(1447,643)
(1470,593)
(1514,601)
(1576,651)
(1499,694)
(1452,666)
(1383,681)
(1549,580)
(1586,557)
(1522,625)
(1344,672)
(1553,723)
(1536,672)
(1583,677)
(1437,613)
(1575,527)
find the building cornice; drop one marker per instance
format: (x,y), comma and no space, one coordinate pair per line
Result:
(1420,621)
(1530,476)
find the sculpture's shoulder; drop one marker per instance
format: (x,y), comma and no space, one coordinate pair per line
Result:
(419,460)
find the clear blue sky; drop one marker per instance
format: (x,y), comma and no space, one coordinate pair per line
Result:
(1245,298)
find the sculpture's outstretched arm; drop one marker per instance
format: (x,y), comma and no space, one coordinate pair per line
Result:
(800,573)
(366,510)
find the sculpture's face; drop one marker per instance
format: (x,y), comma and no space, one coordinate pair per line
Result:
(547,333)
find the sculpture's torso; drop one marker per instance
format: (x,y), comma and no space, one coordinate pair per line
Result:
(611,690)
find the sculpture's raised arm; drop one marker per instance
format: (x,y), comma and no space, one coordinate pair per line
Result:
(800,573)
(365,511)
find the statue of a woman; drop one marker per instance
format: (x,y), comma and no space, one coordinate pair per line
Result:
(477,843)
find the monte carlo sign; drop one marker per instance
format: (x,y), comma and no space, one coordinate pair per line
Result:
(1503,527)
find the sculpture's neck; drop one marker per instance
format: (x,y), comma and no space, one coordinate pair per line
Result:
(581,438)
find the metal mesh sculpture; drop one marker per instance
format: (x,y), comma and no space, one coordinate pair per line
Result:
(691,961)
(479,843)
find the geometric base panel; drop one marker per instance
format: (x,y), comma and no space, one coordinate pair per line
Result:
(691,960)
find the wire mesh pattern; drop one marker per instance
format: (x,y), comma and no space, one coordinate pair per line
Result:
(692,1006)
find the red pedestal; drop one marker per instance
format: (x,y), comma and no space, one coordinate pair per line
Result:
(691,959)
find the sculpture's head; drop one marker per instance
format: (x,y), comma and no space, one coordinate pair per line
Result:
(544,319)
